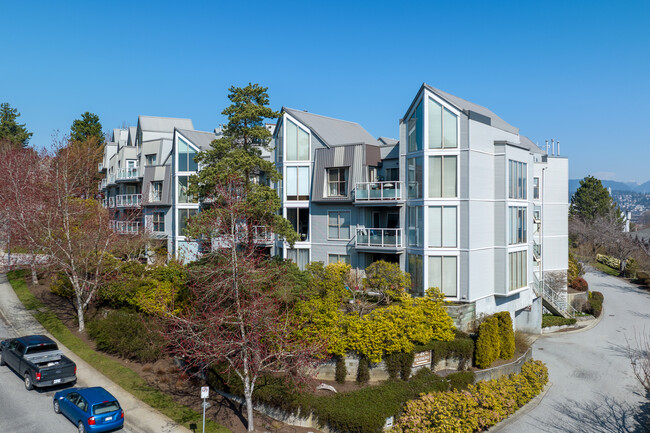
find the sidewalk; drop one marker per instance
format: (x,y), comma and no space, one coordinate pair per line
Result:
(139,417)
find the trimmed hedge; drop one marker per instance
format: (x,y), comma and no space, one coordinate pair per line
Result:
(580,284)
(481,406)
(361,411)
(506,335)
(341,371)
(488,343)
(399,364)
(461,348)
(550,320)
(363,370)
(596,303)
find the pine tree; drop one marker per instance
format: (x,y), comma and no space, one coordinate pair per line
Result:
(11,132)
(592,200)
(86,127)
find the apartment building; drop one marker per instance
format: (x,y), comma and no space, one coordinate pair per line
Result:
(462,200)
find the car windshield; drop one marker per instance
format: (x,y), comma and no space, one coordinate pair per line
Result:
(47,347)
(105,407)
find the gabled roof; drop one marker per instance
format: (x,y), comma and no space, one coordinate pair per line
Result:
(163,124)
(198,138)
(333,132)
(385,141)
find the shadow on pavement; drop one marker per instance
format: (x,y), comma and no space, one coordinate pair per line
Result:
(603,416)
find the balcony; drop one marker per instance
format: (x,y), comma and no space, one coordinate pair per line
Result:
(128,174)
(111,202)
(378,238)
(128,200)
(100,167)
(263,234)
(378,192)
(537,252)
(125,227)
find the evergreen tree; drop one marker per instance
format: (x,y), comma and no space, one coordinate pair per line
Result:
(592,200)
(86,127)
(11,132)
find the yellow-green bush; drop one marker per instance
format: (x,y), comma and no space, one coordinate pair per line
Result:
(488,344)
(506,335)
(612,262)
(479,407)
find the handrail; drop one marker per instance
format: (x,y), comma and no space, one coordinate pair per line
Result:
(128,173)
(379,237)
(556,298)
(368,191)
(129,200)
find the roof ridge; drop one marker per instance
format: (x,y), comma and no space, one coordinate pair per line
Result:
(320,115)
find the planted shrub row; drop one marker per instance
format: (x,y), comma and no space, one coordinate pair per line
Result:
(550,320)
(496,339)
(596,303)
(479,407)
(461,348)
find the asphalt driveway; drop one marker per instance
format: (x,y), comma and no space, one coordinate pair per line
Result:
(593,387)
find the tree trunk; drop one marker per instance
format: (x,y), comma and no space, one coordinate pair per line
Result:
(33,267)
(80,315)
(248,394)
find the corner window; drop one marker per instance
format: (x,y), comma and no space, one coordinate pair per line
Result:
(443,127)
(442,176)
(517,185)
(186,157)
(183,216)
(518,269)
(156,191)
(297,183)
(297,142)
(299,219)
(536,188)
(442,226)
(150,159)
(414,130)
(183,196)
(414,177)
(338,258)
(415,269)
(517,225)
(337,182)
(338,225)
(443,274)
(414,221)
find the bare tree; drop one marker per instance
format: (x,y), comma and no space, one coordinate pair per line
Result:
(639,357)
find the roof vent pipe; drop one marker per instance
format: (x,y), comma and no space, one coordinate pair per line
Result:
(552,147)
(558,148)
(546,146)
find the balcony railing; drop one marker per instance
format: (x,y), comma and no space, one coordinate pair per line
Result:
(262,234)
(129,200)
(111,178)
(128,173)
(378,237)
(100,167)
(126,227)
(104,203)
(379,191)
(111,202)
(537,251)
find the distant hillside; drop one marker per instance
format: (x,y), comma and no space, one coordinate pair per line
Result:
(574,184)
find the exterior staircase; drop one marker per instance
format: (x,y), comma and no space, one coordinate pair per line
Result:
(555,301)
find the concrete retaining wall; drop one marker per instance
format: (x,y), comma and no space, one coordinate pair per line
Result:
(463,315)
(503,370)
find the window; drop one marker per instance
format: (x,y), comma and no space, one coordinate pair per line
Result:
(150,159)
(297,141)
(338,225)
(517,225)
(336,258)
(442,176)
(299,218)
(297,183)
(183,196)
(442,226)
(156,191)
(337,182)
(392,174)
(414,130)
(414,177)
(415,269)
(186,157)
(158,222)
(415,215)
(518,269)
(443,127)
(536,188)
(183,216)
(518,175)
(279,143)
(299,256)
(443,274)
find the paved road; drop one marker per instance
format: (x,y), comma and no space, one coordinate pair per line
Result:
(593,387)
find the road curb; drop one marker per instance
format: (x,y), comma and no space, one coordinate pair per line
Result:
(523,411)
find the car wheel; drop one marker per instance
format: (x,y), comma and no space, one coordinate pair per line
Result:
(28,382)
(57,408)
(81,427)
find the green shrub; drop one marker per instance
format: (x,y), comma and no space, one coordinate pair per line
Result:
(61,286)
(580,284)
(127,334)
(522,341)
(488,344)
(341,371)
(363,370)
(393,364)
(576,270)
(610,261)
(595,303)
(460,348)
(481,406)
(506,335)
(551,320)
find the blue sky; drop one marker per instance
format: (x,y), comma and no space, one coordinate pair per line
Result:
(574,71)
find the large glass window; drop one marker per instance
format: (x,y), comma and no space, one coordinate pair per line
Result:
(518,179)
(297,183)
(297,141)
(183,196)
(414,221)
(183,216)
(442,176)
(442,226)
(443,274)
(186,157)
(415,128)
(443,127)
(518,269)
(299,218)
(536,188)
(299,256)
(416,271)
(279,143)
(414,177)
(337,182)
(338,225)
(517,225)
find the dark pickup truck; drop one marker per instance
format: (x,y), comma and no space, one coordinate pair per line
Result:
(38,359)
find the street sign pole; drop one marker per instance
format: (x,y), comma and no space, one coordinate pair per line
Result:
(205,391)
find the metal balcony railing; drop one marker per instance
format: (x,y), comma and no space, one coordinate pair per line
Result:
(537,251)
(125,227)
(379,237)
(381,191)
(557,299)
(129,200)
(262,234)
(128,173)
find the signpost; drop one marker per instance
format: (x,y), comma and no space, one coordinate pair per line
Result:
(205,392)
(422,358)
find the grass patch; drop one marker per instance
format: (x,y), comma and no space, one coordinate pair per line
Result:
(551,320)
(606,269)
(123,376)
